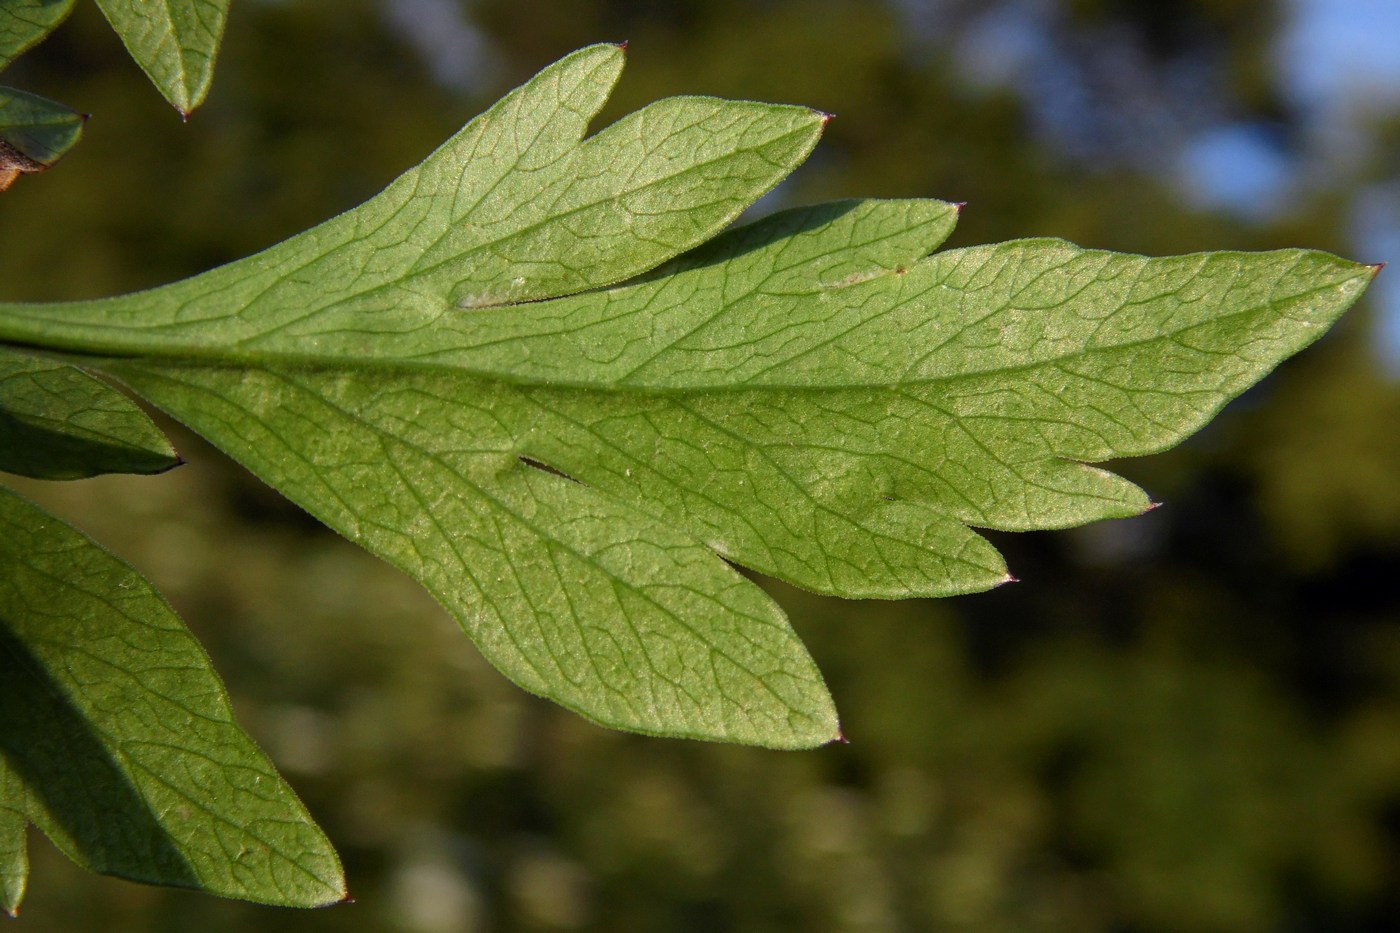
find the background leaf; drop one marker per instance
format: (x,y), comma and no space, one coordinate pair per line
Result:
(174,41)
(57,422)
(34,133)
(25,22)
(122,737)
(14,850)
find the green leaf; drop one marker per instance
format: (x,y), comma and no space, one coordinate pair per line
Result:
(14,853)
(23,23)
(121,734)
(35,132)
(57,422)
(811,396)
(174,41)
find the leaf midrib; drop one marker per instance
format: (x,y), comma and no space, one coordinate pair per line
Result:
(204,356)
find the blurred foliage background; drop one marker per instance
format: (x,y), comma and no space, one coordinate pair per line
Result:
(1185,722)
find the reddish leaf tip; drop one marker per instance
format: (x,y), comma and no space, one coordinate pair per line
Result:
(825,117)
(1009,579)
(1152,507)
(621,46)
(179,462)
(958,207)
(1376,268)
(840,738)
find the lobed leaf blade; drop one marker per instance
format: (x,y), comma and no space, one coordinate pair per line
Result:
(811,396)
(121,735)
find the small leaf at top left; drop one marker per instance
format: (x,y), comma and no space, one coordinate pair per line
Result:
(35,132)
(23,23)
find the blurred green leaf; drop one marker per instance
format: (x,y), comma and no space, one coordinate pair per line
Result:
(14,851)
(57,422)
(23,23)
(806,396)
(34,133)
(174,41)
(121,737)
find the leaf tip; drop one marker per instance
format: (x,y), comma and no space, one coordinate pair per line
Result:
(621,46)
(1152,507)
(958,207)
(840,738)
(825,117)
(1375,268)
(1008,579)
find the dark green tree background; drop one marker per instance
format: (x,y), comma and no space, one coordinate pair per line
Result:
(1188,721)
